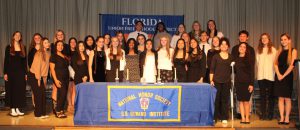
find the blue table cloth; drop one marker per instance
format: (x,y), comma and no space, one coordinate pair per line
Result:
(197,105)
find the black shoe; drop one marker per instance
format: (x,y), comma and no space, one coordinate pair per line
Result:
(286,123)
(280,123)
(247,122)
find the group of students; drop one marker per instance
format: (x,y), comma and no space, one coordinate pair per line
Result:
(198,56)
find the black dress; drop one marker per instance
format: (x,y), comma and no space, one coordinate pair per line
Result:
(80,67)
(244,76)
(62,74)
(98,66)
(111,74)
(16,68)
(179,64)
(284,87)
(196,68)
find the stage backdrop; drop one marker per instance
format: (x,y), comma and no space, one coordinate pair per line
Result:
(110,23)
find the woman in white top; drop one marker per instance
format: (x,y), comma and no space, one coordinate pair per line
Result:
(148,63)
(177,35)
(265,57)
(115,62)
(165,56)
(212,31)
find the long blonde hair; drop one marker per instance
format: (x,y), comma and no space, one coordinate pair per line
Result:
(119,50)
(289,58)
(167,46)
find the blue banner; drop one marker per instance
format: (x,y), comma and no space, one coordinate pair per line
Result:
(144,103)
(110,23)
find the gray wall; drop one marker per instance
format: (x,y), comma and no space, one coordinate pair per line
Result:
(80,17)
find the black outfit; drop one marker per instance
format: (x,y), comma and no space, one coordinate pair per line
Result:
(196,67)
(62,74)
(111,74)
(181,73)
(98,66)
(80,67)
(284,87)
(15,67)
(251,52)
(210,55)
(142,61)
(39,95)
(267,98)
(221,70)
(243,78)
(30,56)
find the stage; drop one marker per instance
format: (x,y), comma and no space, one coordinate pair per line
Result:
(29,121)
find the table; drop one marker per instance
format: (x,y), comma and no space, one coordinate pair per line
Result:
(196,104)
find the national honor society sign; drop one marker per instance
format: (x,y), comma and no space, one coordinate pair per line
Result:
(144,103)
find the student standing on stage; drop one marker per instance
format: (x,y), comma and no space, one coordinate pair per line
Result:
(138,30)
(244,81)
(180,60)
(80,64)
(265,58)
(196,63)
(141,39)
(34,47)
(186,37)
(121,38)
(106,41)
(89,42)
(220,75)
(177,35)
(59,70)
(243,37)
(97,61)
(15,74)
(71,89)
(165,56)
(132,61)
(284,65)
(212,31)
(148,63)
(204,46)
(215,49)
(160,31)
(115,56)
(59,36)
(196,29)
(38,78)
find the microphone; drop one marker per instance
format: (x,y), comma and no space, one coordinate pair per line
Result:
(232,64)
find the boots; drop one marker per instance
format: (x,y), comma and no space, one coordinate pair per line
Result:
(13,112)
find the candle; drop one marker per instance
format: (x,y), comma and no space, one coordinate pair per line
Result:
(117,73)
(158,74)
(175,74)
(127,75)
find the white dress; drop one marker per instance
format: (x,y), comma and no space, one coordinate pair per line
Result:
(149,71)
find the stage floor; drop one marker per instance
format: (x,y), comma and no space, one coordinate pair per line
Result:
(67,123)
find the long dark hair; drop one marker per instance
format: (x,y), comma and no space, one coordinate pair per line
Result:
(85,42)
(177,49)
(80,61)
(199,52)
(72,38)
(135,46)
(12,45)
(209,31)
(247,53)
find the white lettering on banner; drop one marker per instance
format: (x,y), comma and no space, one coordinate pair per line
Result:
(147,22)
